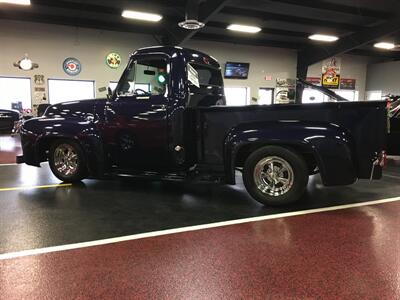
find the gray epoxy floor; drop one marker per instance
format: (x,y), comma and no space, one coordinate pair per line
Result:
(37,218)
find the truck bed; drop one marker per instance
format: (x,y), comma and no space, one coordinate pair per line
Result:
(364,121)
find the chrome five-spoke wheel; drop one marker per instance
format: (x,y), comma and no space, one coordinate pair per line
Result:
(66,160)
(273,176)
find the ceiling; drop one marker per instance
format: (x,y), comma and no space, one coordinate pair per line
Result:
(284,23)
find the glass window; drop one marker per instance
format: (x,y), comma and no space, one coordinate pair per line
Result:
(236,96)
(312,96)
(113,85)
(15,92)
(145,76)
(208,75)
(70,90)
(265,96)
(374,95)
(348,94)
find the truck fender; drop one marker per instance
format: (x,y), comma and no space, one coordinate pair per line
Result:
(329,144)
(84,133)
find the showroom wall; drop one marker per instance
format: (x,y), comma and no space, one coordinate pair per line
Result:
(352,67)
(49,45)
(264,62)
(384,77)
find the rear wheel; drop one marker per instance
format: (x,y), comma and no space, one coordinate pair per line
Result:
(67,161)
(274,175)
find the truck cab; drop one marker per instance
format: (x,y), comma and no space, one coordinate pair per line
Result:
(144,115)
(167,119)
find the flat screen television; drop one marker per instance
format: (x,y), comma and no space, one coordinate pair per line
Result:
(234,70)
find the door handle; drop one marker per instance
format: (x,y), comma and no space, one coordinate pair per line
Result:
(159,106)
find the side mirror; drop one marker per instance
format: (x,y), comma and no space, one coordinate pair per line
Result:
(109,93)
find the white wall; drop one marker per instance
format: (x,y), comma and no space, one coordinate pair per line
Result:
(384,77)
(49,45)
(353,67)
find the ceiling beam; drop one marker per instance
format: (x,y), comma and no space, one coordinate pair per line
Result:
(78,22)
(395,55)
(340,8)
(208,9)
(267,16)
(314,54)
(246,41)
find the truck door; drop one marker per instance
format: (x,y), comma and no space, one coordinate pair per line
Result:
(136,132)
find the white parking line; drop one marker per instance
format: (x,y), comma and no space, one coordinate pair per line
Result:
(24,253)
(391,176)
(7,165)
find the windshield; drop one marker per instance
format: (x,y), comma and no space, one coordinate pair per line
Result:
(144,76)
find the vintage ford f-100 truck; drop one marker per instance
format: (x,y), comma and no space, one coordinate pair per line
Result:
(166,119)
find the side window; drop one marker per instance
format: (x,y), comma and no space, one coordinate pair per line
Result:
(208,75)
(147,76)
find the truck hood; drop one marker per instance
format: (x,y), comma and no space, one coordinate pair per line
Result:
(80,108)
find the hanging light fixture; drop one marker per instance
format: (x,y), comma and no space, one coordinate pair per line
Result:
(26,64)
(191,17)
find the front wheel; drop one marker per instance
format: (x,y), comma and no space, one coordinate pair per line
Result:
(67,161)
(275,176)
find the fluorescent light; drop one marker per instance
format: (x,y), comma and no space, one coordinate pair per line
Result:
(244,28)
(137,15)
(323,38)
(384,45)
(19,2)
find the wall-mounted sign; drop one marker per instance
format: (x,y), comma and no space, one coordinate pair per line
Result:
(38,79)
(347,84)
(268,77)
(72,66)
(285,91)
(331,73)
(314,80)
(113,60)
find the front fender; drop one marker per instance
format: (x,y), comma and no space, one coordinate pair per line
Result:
(330,145)
(37,134)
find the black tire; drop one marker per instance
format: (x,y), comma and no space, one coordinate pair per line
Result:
(299,175)
(80,172)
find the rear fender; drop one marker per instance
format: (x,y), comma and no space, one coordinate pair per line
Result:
(330,146)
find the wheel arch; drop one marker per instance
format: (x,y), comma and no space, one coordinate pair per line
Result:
(325,146)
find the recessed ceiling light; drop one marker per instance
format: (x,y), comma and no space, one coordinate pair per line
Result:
(323,38)
(244,28)
(19,2)
(137,15)
(384,45)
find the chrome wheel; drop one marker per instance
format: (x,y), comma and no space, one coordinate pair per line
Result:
(66,160)
(273,176)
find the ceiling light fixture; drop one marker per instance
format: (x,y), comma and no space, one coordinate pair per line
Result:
(244,28)
(18,2)
(323,38)
(191,21)
(142,16)
(26,64)
(191,24)
(385,45)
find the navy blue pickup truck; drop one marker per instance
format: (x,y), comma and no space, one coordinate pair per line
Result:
(167,119)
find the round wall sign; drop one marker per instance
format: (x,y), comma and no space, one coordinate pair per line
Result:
(113,60)
(72,66)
